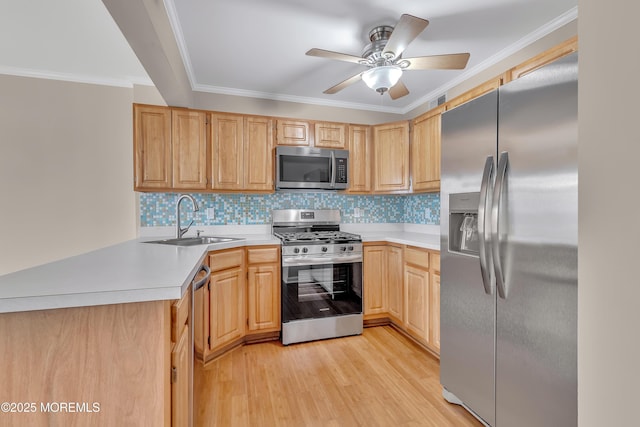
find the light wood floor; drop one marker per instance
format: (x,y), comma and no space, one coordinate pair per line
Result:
(379,378)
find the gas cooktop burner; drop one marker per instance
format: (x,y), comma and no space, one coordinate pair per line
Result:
(317,237)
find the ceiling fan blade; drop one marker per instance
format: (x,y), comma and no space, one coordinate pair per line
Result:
(398,91)
(405,31)
(334,55)
(337,88)
(454,61)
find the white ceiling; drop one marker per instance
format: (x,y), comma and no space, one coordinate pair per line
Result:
(257,48)
(75,40)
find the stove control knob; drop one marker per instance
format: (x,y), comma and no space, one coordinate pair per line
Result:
(324,249)
(350,248)
(305,250)
(343,248)
(296,250)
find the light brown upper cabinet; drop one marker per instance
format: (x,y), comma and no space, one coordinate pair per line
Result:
(425,152)
(169,148)
(330,135)
(476,92)
(258,154)
(152,147)
(242,152)
(391,158)
(294,132)
(359,159)
(544,58)
(189,149)
(226,155)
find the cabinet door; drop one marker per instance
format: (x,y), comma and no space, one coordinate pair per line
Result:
(189,149)
(263,297)
(375,277)
(226,306)
(544,58)
(476,92)
(425,153)
(416,294)
(434,325)
(152,142)
(258,154)
(226,156)
(395,283)
(291,132)
(359,159)
(391,158)
(330,135)
(180,372)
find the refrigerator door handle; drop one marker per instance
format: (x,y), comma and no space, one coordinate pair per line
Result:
(501,176)
(484,240)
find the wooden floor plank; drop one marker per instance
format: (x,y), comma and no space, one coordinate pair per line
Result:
(379,378)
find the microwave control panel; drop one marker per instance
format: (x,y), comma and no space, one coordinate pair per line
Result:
(341,172)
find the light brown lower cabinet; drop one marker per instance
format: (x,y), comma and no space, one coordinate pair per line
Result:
(375,277)
(434,331)
(395,283)
(434,324)
(181,360)
(263,289)
(226,304)
(241,301)
(402,284)
(416,303)
(121,364)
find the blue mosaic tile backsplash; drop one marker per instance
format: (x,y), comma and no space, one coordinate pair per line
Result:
(158,209)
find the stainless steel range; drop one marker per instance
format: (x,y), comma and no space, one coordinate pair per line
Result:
(321,275)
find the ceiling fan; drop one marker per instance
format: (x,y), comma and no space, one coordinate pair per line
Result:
(383,56)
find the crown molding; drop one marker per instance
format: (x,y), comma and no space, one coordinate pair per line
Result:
(127,82)
(537,34)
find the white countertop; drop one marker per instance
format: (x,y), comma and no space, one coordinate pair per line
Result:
(135,271)
(422,240)
(132,271)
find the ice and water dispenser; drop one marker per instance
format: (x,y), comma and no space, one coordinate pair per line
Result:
(463,223)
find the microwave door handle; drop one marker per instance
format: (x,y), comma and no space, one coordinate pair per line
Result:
(333,169)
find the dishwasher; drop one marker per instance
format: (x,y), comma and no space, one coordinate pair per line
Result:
(200,280)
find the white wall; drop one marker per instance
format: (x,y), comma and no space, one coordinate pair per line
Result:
(609,203)
(66,169)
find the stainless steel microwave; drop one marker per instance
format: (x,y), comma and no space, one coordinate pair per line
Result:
(300,168)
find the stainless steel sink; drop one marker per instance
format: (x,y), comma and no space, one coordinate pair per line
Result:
(193,241)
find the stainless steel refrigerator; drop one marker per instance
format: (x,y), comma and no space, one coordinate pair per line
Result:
(509,230)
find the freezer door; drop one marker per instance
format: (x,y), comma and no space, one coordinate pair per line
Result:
(467,311)
(536,350)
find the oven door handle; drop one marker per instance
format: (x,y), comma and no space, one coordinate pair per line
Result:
(298,261)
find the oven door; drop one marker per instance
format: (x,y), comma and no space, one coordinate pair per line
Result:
(321,290)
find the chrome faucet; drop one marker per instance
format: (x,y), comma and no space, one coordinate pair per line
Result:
(179,230)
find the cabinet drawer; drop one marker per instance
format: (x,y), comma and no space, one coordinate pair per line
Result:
(225,259)
(435,262)
(267,254)
(419,257)
(180,315)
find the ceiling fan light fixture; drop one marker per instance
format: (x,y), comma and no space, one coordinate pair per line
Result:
(382,78)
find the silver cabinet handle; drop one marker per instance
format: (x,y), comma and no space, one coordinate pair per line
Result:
(485,240)
(501,176)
